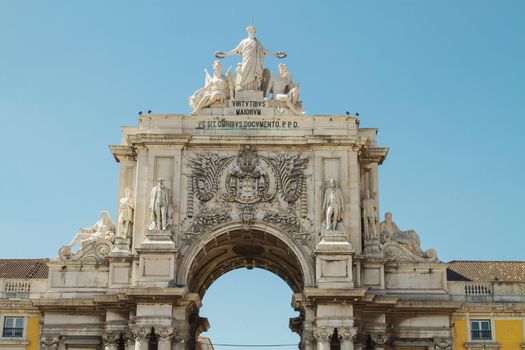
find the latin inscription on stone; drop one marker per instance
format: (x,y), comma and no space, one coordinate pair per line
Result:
(247,124)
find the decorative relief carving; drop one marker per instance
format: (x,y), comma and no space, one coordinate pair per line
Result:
(398,253)
(322,334)
(245,188)
(49,342)
(111,339)
(290,175)
(442,343)
(247,180)
(347,334)
(140,333)
(379,339)
(205,172)
(164,333)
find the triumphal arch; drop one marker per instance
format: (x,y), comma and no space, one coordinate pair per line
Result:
(246,180)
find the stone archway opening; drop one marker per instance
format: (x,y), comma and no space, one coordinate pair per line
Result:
(258,248)
(249,307)
(250,249)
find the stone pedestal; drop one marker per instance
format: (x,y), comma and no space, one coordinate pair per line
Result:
(248,95)
(119,272)
(120,248)
(373,248)
(373,274)
(333,256)
(157,259)
(158,240)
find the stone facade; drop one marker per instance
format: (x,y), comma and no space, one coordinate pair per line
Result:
(248,181)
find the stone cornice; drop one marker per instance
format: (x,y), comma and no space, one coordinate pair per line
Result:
(122,152)
(374,154)
(331,141)
(439,306)
(354,294)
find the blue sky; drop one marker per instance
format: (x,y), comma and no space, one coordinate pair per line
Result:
(444,81)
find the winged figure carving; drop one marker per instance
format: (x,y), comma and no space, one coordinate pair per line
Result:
(290,172)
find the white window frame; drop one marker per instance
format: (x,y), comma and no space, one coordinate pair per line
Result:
(480,319)
(24,326)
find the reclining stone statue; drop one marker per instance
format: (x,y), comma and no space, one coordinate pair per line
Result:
(390,231)
(102,231)
(409,239)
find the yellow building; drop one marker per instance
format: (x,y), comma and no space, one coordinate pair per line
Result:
(493,313)
(21,280)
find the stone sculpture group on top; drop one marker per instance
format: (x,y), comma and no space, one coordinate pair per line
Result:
(250,76)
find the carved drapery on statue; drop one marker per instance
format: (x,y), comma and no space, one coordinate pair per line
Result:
(403,246)
(245,188)
(252,82)
(95,242)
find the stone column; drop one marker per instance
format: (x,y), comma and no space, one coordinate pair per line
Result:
(181,338)
(164,336)
(346,337)
(129,341)
(322,336)
(140,334)
(360,340)
(110,340)
(307,340)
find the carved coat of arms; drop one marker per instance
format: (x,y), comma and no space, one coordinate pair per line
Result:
(245,187)
(247,181)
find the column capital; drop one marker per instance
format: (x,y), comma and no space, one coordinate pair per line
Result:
(307,337)
(49,342)
(322,334)
(140,332)
(442,343)
(111,337)
(180,335)
(379,339)
(164,332)
(347,334)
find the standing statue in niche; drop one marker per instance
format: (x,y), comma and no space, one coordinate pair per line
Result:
(216,89)
(390,231)
(333,206)
(250,74)
(102,229)
(284,90)
(369,216)
(159,206)
(125,217)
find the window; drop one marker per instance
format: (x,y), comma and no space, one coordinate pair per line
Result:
(480,330)
(13,327)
